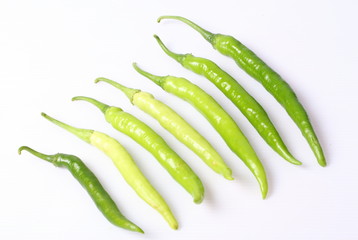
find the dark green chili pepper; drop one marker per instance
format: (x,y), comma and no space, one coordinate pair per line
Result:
(217,116)
(272,81)
(126,166)
(155,144)
(90,182)
(252,110)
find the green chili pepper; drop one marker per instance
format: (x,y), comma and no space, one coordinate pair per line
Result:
(252,110)
(272,81)
(90,182)
(176,125)
(126,166)
(155,144)
(218,118)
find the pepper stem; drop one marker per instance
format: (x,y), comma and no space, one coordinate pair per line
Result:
(129,92)
(49,158)
(177,57)
(103,107)
(206,34)
(159,80)
(84,134)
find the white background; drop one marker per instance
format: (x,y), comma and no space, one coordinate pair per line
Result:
(51,51)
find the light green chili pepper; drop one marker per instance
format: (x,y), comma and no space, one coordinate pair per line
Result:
(155,144)
(251,109)
(176,125)
(126,166)
(272,81)
(218,118)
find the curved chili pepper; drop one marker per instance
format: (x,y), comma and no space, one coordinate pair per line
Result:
(218,118)
(251,109)
(126,166)
(155,144)
(89,182)
(272,81)
(176,125)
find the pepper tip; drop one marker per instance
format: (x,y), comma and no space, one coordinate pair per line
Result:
(228,174)
(264,195)
(295,162)
(175,226)
(138,229)
(198,199)
(229,178)
(323,164)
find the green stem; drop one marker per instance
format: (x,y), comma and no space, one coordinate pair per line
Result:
(206,34)
(103,107)
(129,92)
(159,80)
(49,158)
(177,57)
(84,134)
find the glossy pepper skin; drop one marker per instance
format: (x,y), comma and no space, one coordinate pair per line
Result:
(251,109)
(155,144)
(126,166)
(89,182)
(271,80)
(176,125)
(218,118)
